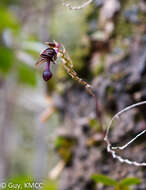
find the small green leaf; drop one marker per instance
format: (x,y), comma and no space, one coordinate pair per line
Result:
(104,180)
(130,181)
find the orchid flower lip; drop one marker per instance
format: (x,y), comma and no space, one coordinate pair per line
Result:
(47,75)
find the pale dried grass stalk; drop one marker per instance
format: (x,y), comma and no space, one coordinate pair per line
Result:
(68,5)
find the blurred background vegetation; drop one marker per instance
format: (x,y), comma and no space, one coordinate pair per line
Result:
(97,37)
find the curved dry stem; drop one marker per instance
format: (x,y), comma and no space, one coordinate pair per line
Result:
(68,5)
(109,146)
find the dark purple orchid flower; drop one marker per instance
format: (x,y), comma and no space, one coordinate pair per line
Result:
(49,56)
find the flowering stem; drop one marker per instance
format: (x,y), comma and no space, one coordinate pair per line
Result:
(69,68)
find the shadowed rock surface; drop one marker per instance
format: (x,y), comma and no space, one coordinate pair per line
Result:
(122,83)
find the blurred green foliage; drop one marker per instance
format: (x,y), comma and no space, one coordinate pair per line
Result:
(27,74)
(104,180)
(8,2)
(6,59)
(22,180)
(64,146)
(28,183)
(50,185)
(8,55)
(8,20)
(122,185)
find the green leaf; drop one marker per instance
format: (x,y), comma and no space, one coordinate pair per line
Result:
(130,181)
(104,180)
(6,59)
(26,74)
